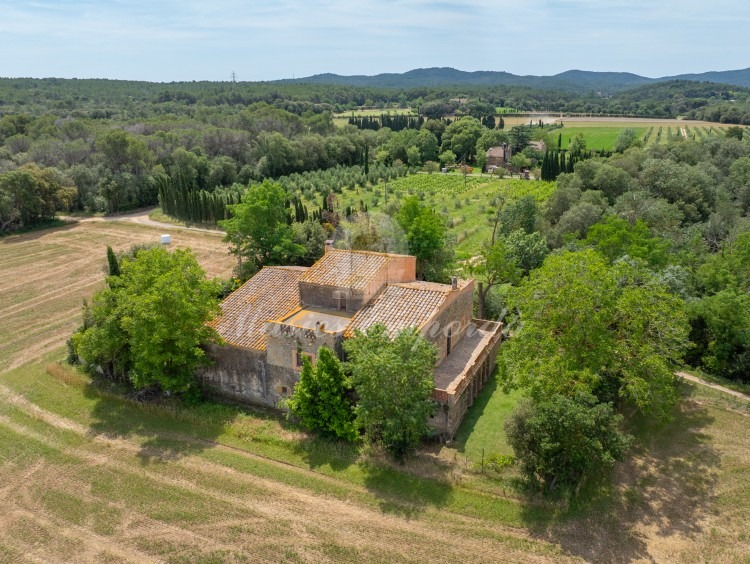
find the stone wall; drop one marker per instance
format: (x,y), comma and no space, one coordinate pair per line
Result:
(456,314)
(239,373)
(329,297)
(283,342)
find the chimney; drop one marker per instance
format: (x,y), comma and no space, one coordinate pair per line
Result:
(454,283)
(329,245)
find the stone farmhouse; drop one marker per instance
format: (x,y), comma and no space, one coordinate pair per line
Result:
(286,313)
(498,156)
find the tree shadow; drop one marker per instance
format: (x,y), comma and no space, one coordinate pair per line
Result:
(162,429)
(36,232)
(402,491)
(319,452)
(665,487)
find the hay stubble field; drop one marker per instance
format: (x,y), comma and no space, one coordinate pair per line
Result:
(88,476)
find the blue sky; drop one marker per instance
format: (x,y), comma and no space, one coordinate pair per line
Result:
(167,40)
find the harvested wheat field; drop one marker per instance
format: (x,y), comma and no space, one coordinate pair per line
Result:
(87,475)
(45,275)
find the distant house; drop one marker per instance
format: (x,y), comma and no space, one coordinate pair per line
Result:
(283,314)
(498,156)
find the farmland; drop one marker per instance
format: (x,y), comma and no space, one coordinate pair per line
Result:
(91,476)
(52,271)
(468,204)
(601,133)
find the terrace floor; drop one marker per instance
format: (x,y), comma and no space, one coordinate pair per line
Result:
(457,365)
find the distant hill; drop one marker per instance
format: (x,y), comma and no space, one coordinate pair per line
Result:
(572,80)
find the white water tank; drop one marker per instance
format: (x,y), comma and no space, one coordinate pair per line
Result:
(166,239)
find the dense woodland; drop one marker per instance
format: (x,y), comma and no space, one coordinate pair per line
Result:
(110,146)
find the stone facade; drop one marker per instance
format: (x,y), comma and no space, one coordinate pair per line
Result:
(319,309)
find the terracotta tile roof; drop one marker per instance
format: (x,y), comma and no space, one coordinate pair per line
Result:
(270,294)
(434,286)
(346,269)
(400,306)
(496,152)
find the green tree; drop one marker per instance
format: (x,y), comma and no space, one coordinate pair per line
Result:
(427,237)
(259,229)
(113,264)
(461,137)
(493,266)
(561,441)
(447,157)
(150,322)
(614,238)
(393,378)
(721,333)
(626,139)
(320,398)
(616,332)
(527,250)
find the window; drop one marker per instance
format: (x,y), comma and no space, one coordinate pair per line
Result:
(341,296)
(299,357)
(449,338)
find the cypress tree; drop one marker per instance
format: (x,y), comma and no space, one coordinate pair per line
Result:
(112,262)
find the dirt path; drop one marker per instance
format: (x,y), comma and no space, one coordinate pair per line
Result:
(697,380)
(141,217)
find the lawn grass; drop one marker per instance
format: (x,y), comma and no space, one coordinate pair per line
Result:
(482,430)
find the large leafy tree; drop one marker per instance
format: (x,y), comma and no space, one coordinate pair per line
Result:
(615,331)
(614,238)
(149,323)
(393,378)
(461,137)
(493,266)
(320,399)
(259,229)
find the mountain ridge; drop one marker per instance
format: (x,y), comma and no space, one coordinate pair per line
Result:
(574,79)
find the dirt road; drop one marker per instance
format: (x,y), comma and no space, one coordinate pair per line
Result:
(141,217)
(697,380)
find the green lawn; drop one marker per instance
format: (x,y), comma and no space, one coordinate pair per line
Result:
(483,427)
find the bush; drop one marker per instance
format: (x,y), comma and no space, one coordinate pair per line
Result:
(562,441)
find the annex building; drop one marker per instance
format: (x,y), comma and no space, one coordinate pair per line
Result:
(285,313)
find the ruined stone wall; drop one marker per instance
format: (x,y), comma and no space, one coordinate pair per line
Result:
(284,341)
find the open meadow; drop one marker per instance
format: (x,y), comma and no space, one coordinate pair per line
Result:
(89,476)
